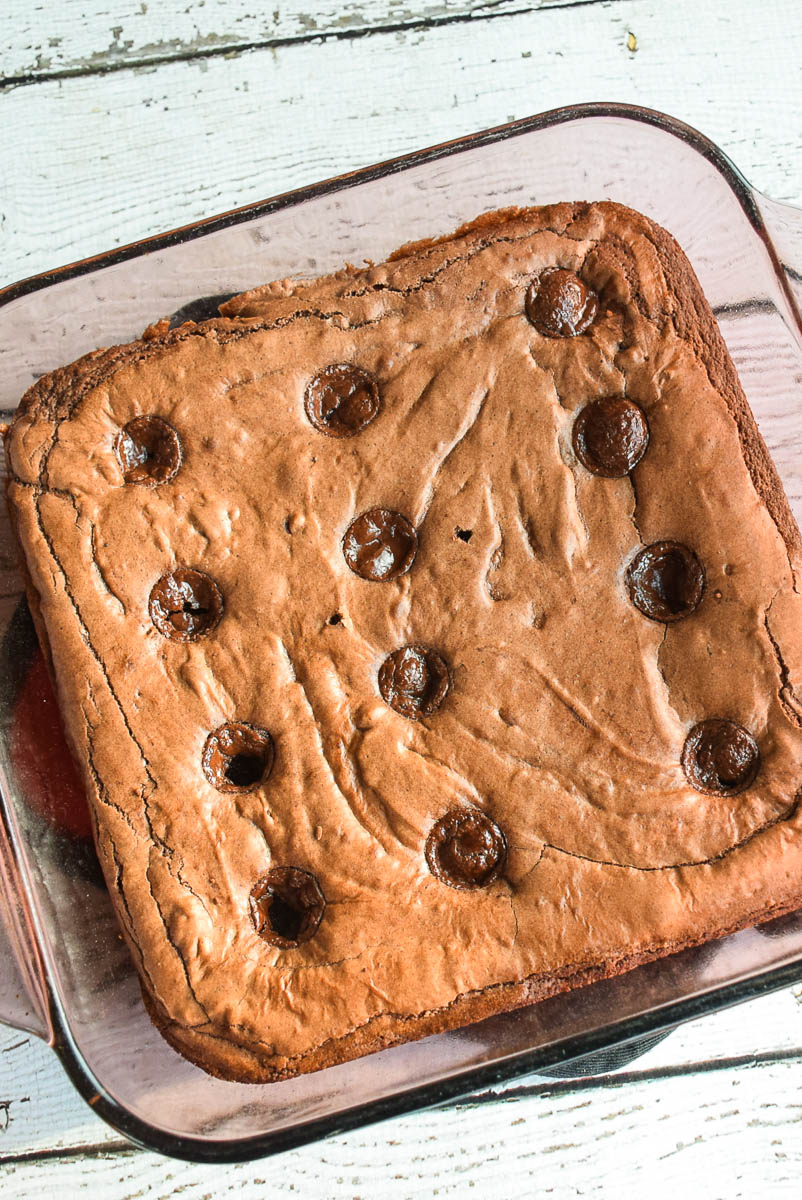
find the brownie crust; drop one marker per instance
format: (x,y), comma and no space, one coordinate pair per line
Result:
(567,709)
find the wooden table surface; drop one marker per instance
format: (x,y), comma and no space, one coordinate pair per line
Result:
(122,118)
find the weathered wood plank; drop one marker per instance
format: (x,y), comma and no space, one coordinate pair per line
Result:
(40,1110)
(44,39)
(87,163)
(648,1138)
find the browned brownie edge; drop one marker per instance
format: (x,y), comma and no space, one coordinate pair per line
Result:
(227,1060)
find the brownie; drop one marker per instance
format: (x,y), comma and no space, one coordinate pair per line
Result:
(429,637)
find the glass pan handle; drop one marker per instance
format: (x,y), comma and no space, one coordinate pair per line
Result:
(784,225)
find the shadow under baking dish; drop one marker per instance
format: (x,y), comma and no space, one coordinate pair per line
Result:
(64,971)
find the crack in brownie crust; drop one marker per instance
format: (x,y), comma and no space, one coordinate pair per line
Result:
(568,707)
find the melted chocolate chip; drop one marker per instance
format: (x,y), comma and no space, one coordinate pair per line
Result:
(559,304)
(237,757)
(413,681)
(464,535)
(286,906)
(185,604)
(341,400)
(720,757)
(610,436)
(148,451)
(665,581)
(380,544)
(465,849)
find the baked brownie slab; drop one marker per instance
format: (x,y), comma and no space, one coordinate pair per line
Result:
(429,637)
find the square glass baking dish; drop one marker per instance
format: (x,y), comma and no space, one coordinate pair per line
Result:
(64,972)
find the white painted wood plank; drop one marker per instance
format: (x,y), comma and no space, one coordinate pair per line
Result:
(40,1110)
(87,163)
(42,39)
(650,1138)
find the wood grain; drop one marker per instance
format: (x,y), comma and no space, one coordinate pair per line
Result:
(95,161)
(46,40)
(647,1138)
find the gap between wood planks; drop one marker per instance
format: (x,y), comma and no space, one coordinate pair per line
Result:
(556,1088)
(489,10)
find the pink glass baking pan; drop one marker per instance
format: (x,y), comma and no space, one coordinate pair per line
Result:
(64,972)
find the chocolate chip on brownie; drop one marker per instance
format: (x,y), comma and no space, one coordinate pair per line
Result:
(380,544)
(185,605)
(237,757)
(341,400)
(720,757)
(286,906)
(610,436)
(466,849)
(665,581)
(559,304)
(414,681)
(148,451)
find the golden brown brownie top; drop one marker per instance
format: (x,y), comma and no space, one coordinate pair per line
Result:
(395,599)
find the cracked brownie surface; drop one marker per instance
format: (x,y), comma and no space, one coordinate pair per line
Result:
(428,636)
